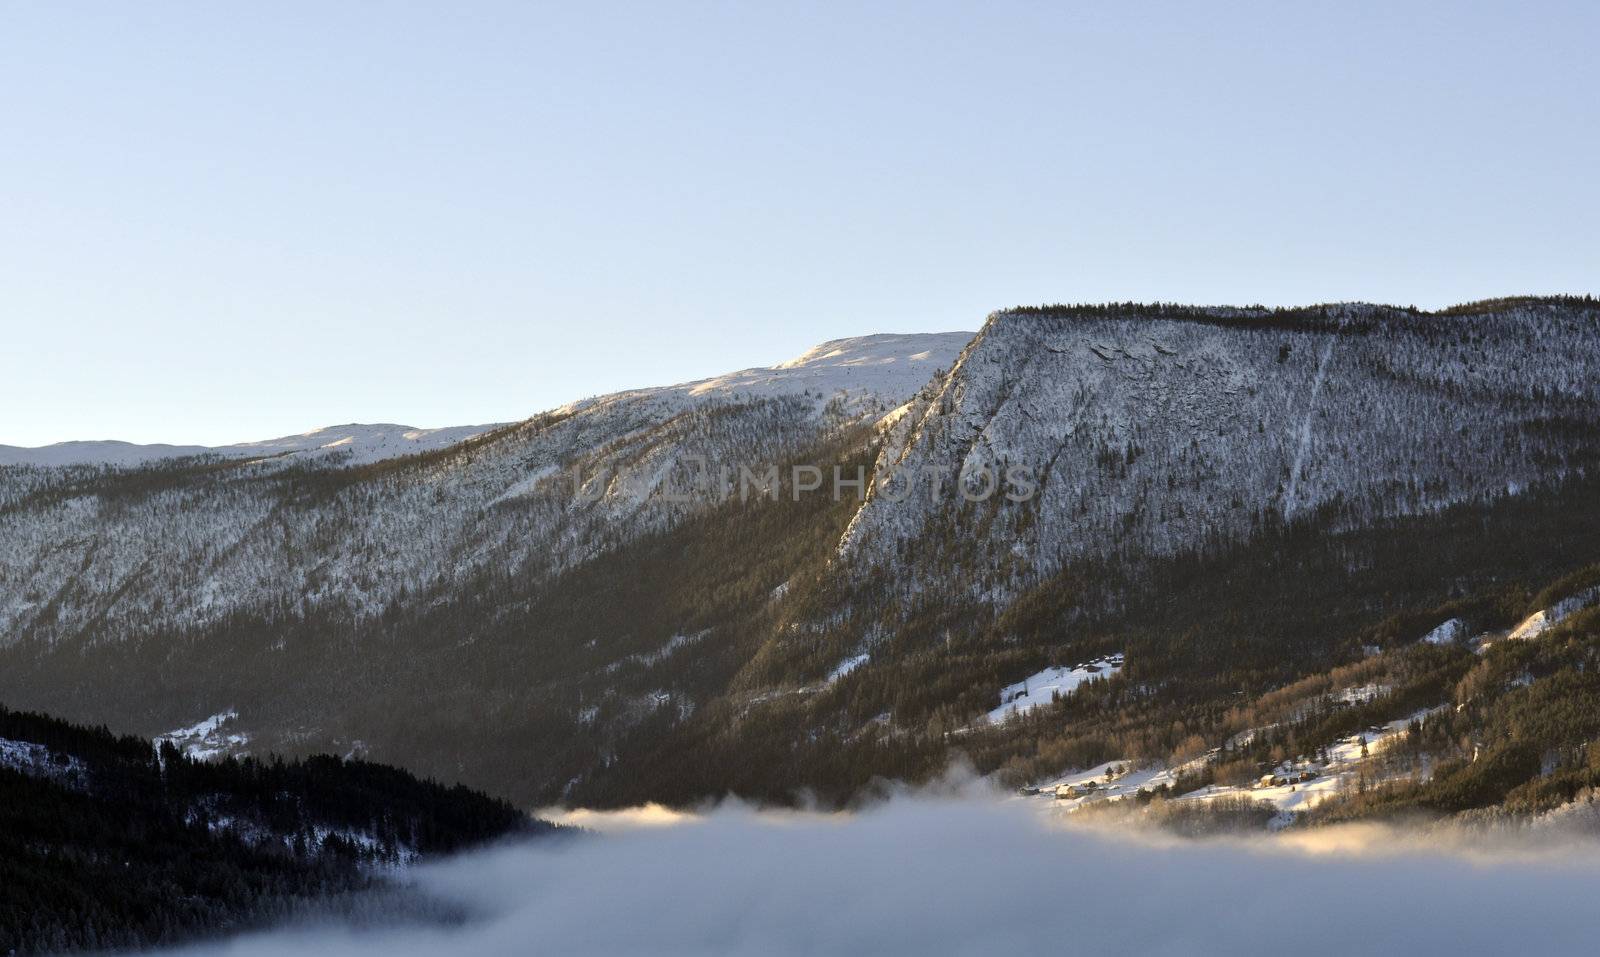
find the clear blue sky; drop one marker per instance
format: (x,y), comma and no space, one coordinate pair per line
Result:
(222,222)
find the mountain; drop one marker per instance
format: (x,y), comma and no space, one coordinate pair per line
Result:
(878,365)
(599,605)
(208,539)
(106,452)
(107,841)
(1149,429)
(352,444)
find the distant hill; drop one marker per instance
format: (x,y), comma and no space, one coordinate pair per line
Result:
(353,444)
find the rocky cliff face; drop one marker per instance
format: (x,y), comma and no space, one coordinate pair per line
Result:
(1149,429)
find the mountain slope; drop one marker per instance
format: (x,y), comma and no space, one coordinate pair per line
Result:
(352,444)
(104,842)
(1229,498)
(1149,429)
(184,545)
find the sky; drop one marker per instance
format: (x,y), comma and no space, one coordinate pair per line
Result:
(225,222)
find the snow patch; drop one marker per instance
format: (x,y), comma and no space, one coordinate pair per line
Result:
(1051,684)
(1446,634)
(1540,622)
(36,760)
(526,486)
(206,740)
(848,665)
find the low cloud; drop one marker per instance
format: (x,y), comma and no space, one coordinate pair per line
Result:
(976,875)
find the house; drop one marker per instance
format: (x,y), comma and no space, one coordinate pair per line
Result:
(1068,791)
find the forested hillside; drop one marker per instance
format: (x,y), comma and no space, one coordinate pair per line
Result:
(106,841)
(1232,499)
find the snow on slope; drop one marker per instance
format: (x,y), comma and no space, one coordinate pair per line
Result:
(206,740)
(363,443)
(886,366)
(1447,633)
(890,367)
(1540,622)
(882,364)
(1150,431)
(1038,690)
(122,454)
(36,760)
(189,553)
(1295,785)
(1328,778)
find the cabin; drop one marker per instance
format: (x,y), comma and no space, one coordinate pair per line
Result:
(1068,791)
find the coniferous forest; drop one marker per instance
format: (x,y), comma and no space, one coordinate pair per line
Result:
(107,841)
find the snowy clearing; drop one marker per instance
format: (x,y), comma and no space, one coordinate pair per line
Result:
(206,740)
(1051,684)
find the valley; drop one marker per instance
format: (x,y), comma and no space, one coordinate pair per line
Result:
(1229,501)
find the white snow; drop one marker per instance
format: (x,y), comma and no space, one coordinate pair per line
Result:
(651,658)
(848,665)
(205,740)
(525,486)
(1057,395)
(36,760)
(889,367)
(1303,433)
(106,452)
(1361,695)
(1116,780)
(364,444)
(436,523)
(1447,633)
(1331,777)
(883,363)
(1540,622)
(1050,684)
(1113,781)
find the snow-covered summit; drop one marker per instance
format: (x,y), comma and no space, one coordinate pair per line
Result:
(888,367)
(891,365)
(107,452)
(364,443)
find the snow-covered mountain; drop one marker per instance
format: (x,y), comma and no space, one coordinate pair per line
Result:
(1150,429)
(533,606)
(860,368)
(191,553)
(351,444)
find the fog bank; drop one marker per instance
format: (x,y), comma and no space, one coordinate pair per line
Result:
(975,876)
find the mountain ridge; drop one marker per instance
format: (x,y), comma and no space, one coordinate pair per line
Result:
(626,644)
(883,361)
